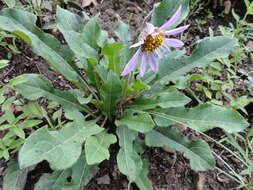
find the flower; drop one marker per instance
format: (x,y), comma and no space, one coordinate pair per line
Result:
(154,42)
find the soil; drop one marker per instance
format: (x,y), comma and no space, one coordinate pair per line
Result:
(168,170)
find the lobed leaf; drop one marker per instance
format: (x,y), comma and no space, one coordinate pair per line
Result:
(143,182)
(128,161)
(122,31)
(14,178)
(60,148)
(96,147)
(205,117)
(198,152)
(53,181)
(136,120)
(163,100)
(80,174)
(34,86)
(23,24)
(77,34)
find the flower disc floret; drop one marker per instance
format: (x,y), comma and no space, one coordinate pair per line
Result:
(153,42)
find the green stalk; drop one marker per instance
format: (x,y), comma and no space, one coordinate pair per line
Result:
(126,84)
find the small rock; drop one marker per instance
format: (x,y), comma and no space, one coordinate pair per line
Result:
(86,3)
(125,183)
(169,150)
(104,180)
(250,45)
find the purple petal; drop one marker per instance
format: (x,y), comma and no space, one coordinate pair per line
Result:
(165,48)
(177,30)
(137,44)
(153,63)
(159,52)
(144,62)
(131,63)
(150,28)
(173,42)
(172,20)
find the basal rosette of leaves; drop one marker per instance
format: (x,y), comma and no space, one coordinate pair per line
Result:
(134,105)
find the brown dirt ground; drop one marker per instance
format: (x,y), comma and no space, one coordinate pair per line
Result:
(168,171)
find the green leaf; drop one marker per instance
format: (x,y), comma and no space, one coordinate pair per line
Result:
(103,38)
(18,131)
(57,115)
(96,147)
(122,31)
(208,49)
(33,109)
(23,24)
(136,87)
(112,51)
(247,3)
(91,32)
(51,145)
(83,100)
(14,178)
(35,86)
(80,175)
(250,9)
(71,27)
(198,152)
(53,181)
(166,9)
(162,122)
(136,120)
(10,3)
(205,117)
(163,100)
(6,154)
(3,63)
(111,93)
(2,97)
(128,161)
(102,72)
(142,181)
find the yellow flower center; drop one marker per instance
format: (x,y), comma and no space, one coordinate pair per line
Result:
(151,43)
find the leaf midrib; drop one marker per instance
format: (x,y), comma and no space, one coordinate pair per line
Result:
(49,94)
(60,143)
(179,119)
(184,147)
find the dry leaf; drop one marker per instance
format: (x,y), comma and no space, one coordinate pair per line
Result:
(180,127)
(199,181)
(228,6)
(86,3)
(14,108)
(223,179)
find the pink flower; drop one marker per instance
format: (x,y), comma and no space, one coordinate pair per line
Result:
(154,43)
